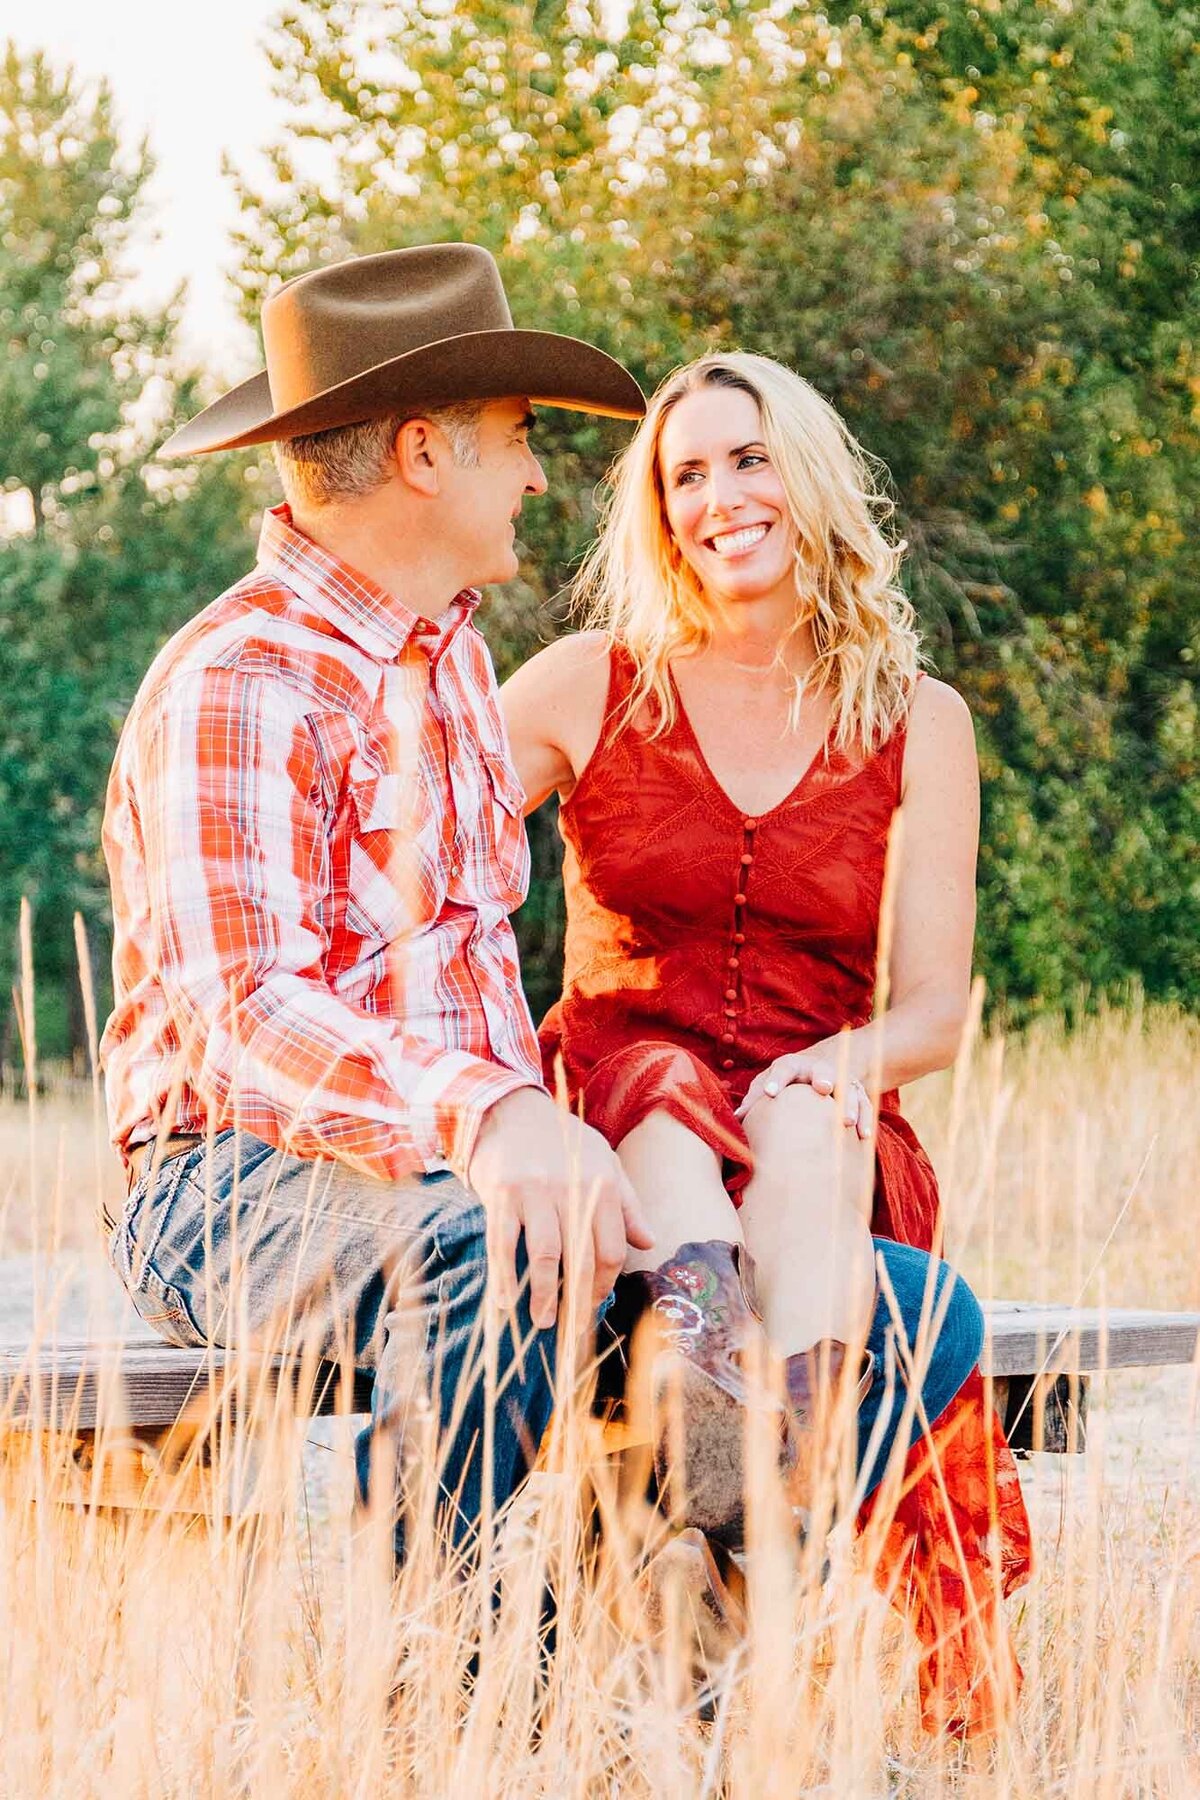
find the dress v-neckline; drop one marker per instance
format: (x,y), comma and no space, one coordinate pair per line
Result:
(743,812)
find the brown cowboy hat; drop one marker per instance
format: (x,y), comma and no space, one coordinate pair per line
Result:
(428,326)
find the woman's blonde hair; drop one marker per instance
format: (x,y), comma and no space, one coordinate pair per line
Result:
(635,584)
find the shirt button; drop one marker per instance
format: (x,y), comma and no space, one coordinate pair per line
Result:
(739,937)
(739,899)
(749,824)
(727,1062)
(747,860)
(735,962)
(731,993)
(727,1037)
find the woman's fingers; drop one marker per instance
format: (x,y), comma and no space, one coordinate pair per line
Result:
(765,1086)
(785,1071)
(820,1077)
(857,1110)
(789,1071)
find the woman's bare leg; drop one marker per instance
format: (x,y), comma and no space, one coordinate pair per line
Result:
(805,1216)
(677,1178)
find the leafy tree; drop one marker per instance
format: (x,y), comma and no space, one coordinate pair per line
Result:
(974,229)
(98,562)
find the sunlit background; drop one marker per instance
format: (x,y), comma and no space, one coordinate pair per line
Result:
(974,229)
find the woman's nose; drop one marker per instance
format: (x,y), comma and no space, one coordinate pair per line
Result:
(724,494)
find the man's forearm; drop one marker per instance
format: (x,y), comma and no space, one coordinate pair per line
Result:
(300,1067)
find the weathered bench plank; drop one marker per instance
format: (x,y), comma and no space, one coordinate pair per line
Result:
(1025,1339)
(65,1384)
(58,1378)
(71,1344)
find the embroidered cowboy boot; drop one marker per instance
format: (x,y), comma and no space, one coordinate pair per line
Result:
(701,1305)
(813,1382)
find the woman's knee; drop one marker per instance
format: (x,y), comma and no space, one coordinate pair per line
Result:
(952,1309)
(959,1340)
(801,1165)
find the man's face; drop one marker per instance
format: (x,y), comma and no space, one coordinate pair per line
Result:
(480,504)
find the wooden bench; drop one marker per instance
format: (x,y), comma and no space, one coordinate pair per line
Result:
(158,1403)
(134,1421)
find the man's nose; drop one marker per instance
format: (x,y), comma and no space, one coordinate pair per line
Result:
(537,479)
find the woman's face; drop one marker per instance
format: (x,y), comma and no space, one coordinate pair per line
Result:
(726,504)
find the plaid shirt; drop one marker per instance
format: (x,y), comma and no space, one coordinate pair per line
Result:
(314,834)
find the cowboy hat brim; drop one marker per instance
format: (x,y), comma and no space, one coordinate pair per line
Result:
(480,365)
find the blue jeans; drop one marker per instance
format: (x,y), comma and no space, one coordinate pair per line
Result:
(949,1358)
(245,1246)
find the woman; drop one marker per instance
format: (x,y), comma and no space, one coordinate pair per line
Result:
(730,747)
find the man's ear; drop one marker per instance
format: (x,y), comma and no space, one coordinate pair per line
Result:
(419,449)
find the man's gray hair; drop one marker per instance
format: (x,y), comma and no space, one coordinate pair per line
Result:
(351,461)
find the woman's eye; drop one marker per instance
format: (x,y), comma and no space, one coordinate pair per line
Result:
(686,475)
(750,458)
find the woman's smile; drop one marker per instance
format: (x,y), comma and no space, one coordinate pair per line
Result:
(737,543)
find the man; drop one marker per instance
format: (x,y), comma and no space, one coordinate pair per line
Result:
(322,1073)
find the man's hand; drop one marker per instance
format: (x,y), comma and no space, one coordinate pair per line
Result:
(539,1169)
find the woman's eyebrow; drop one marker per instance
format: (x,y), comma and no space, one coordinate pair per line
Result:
(697,462)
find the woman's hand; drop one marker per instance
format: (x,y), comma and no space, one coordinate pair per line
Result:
(818,1069)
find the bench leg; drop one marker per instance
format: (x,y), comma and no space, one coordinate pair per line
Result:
(1043,1412)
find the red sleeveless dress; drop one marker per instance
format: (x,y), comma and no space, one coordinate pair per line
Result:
(701,944)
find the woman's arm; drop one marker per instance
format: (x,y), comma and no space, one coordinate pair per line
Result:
(933,921)
(554,709)
(933,918)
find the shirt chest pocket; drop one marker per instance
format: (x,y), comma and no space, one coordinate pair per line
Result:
(504,847)
(394,878)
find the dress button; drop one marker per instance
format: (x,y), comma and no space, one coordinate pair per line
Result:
(727,1037)
(739,899)
(734,963)
(731,993)
(731,1012)
(727,1062)
(739,937)
(747,860)
(749,824)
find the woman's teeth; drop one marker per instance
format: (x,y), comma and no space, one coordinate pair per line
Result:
(732,543)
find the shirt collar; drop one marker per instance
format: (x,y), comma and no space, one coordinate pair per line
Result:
(371,617)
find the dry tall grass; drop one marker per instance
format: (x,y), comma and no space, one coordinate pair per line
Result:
(152,1655)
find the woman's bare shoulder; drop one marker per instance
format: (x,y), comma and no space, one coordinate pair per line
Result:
(555,708)
(941,735)
(938,712)
(574,665)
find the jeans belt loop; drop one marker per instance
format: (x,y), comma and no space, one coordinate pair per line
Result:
(175,1143)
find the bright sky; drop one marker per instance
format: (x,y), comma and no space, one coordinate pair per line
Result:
(195,79)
